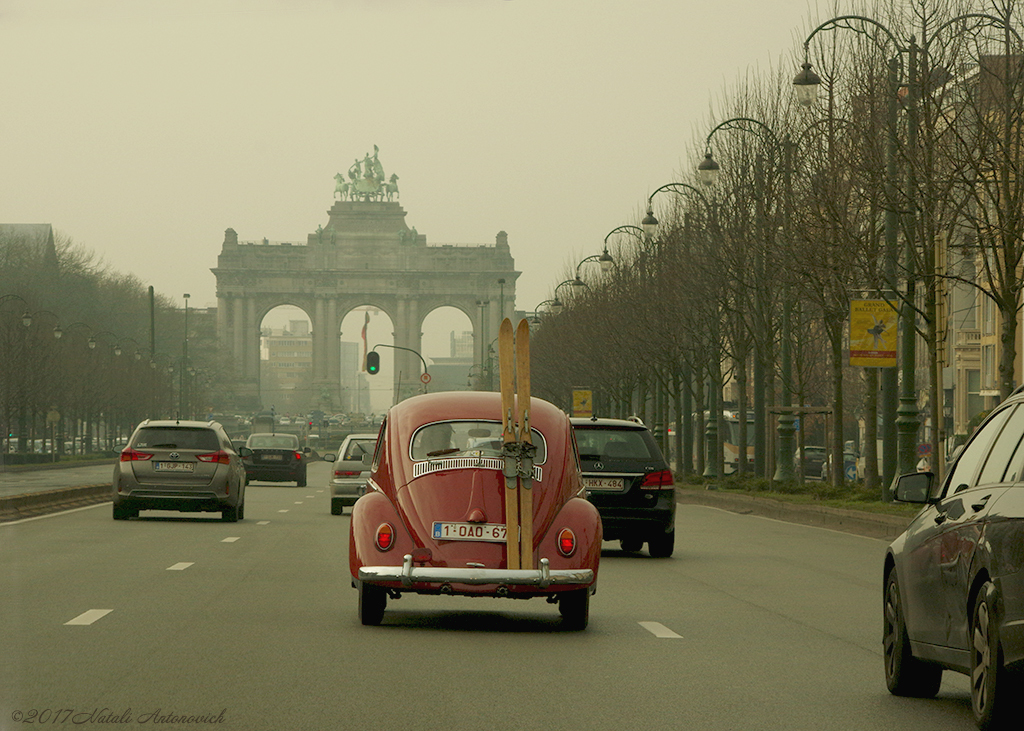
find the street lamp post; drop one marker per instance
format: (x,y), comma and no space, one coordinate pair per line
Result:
(183,401)
(708,171)
(906,421)
(684,401)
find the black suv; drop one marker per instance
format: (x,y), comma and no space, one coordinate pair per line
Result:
(629,481)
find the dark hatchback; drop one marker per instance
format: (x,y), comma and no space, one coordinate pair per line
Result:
(629,481)
(276,458)
(954,581)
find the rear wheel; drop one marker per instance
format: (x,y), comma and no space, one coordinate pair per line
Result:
(372,602)
(631,545)
(904,674)
(661,546)
(122,513)
(229,515)
(574,606)
(301,480)
(337,508)
(241,510)
(994,689)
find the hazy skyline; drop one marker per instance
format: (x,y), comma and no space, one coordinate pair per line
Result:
(142,129)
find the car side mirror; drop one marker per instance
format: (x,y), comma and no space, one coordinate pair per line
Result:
(915,487)
(306,450)
(329,457)
(244,452)
(367,460)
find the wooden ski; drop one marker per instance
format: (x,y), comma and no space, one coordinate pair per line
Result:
(506,356)
(526,446)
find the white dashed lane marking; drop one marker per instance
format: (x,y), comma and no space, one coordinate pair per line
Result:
(89,617)
(283,511)
(659,630)
(180,566)
(231,539)
(264,522)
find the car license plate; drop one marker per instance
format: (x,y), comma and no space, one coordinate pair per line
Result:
(470,532)
(174,466)
(272,457)
(603,483)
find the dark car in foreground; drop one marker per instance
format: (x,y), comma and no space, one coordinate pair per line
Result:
(276,458)
(629,481)
(954,581)
(189,466)
(445,513)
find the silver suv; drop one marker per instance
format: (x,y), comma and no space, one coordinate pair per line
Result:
(189,466)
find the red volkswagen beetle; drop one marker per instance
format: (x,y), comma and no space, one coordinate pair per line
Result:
(435,518)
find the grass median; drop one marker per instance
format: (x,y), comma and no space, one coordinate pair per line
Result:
(848,496)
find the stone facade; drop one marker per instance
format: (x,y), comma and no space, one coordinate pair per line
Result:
(365,255)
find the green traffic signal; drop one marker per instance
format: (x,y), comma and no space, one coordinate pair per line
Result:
(372,362)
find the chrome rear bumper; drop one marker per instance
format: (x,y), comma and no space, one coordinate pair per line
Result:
(543,577)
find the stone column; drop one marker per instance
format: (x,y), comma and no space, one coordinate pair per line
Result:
(237,333)
(319,351)
(252,346)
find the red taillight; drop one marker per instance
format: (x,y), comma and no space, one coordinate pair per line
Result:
(385,536)
(220,456)
(298,456)
(566,542)
(657,480)
(340,473)
(130,455)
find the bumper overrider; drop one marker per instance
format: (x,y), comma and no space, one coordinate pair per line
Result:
(542,577)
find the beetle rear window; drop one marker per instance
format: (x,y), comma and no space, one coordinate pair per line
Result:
(461,438)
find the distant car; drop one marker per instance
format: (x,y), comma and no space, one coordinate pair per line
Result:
(189,466)
(436,518)
(348,480)
(953,583)
(276,458)
(628,479)
(813,460)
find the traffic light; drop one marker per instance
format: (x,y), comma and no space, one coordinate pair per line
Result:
(372,362)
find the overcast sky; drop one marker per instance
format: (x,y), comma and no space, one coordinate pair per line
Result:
(144,128)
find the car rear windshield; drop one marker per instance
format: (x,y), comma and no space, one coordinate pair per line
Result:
(358,447)
(176,437)
(273,441)
(477,438)
(609,444)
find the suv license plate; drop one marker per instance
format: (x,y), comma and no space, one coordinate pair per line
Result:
(272,457)
(603,483)
(174,466)
(470,532)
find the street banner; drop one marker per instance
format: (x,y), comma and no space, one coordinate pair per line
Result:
(582,402)
(873,325)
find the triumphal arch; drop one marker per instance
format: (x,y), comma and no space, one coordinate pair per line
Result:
(365,254)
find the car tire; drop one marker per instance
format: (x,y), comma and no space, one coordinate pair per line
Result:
(631,545)
(337,509)
(301,480)
(229,515)
(122,513)
(994,689)
(574,606)
(241,510)
(905,675)
(372,602)
(661,546)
